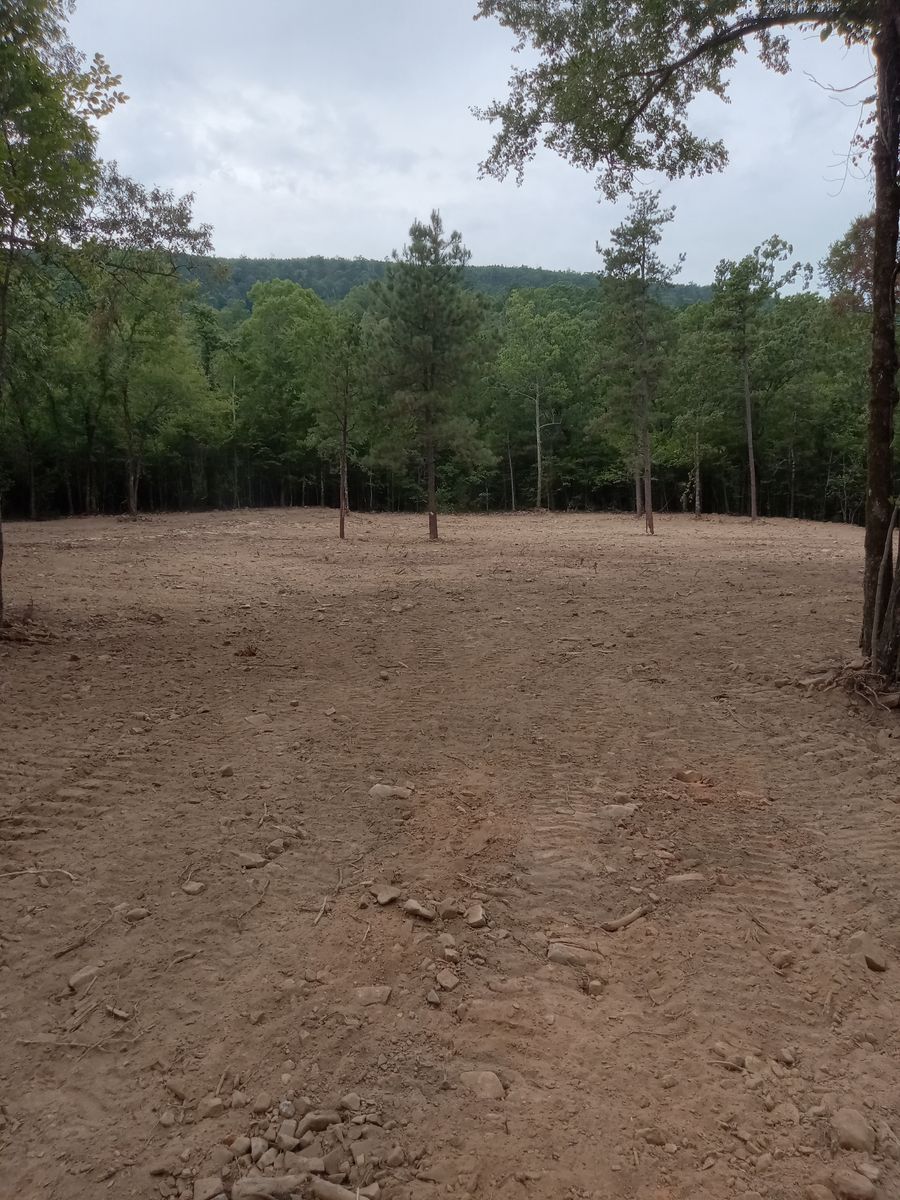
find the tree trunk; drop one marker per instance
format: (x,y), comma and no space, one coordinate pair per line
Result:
(698,498)
(432,491)
(883,369)
(538,447)
(748,419)
(638,491)
(343,483)
(646,458)
(793,488)
(134,478)
(512,477)
(32,490)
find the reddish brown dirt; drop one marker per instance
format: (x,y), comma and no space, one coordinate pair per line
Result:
(520,675)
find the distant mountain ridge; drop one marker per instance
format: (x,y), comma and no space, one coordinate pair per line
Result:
(226,280)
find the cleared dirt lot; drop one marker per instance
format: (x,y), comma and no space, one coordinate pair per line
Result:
(205,687)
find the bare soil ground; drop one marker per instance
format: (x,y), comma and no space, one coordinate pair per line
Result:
(204,687)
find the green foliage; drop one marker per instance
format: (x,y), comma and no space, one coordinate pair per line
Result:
(609,86)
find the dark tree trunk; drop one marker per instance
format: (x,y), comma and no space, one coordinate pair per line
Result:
(883,370)
(638,492)
(748,420)
(432,490)
(538,447)
(512,477)
(343,482)
(647,469)
(698,497)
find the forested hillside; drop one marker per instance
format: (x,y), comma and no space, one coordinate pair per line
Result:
(224,281)
(129,391)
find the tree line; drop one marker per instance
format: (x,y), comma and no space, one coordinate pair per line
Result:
(121,387)
(127,391)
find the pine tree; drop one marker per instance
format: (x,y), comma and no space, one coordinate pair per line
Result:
(427,330)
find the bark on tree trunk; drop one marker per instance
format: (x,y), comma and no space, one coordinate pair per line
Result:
(432,491)
(638,492)
(134,478)
(748,419)
(646,459)
(512,477)
(698,498)
(883,370)
(538,448)
(343,483)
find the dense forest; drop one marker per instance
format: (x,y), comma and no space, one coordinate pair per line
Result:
(227,281)
(133,385)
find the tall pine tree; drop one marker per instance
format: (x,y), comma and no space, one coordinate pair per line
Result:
(428,330)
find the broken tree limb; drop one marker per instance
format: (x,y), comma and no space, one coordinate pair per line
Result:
(628,919)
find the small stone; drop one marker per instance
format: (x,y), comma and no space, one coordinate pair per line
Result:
(686,877)
(167,1118)
(241,1146)
(782,959)
(137,914)
(227,772)
(850,1185)
(414,909)
(193,887)
(178,1087)
(268,1159)
(210,1106)
(596,987)
(221,1156)
(262,1103)
(447,980)
(258,1147)
(785,1056)
(317,1121)
(818,1191)
(653,1136)
(373,995)
(396,1158)
(433,998)
(864,946)
(250,862)
(449,909)
(568,956)
(286,1108)
(475,917)
(384,791)
(618,812)
(484,1084)
(352,1102)
(852,1130)
(82,977)
(275,847)
(764,1162)
(451,954)
(164,1166)
(239,1099)
(207,1188)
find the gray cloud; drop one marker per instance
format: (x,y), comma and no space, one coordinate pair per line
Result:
(310,128)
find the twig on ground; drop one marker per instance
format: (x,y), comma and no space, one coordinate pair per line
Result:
(321,913)
(40,871)
(628,919)
(181,957)
(256,902)
(83,939)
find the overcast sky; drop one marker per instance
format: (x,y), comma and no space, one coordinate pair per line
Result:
(327,126)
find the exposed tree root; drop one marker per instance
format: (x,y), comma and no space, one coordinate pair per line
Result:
(859,679)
